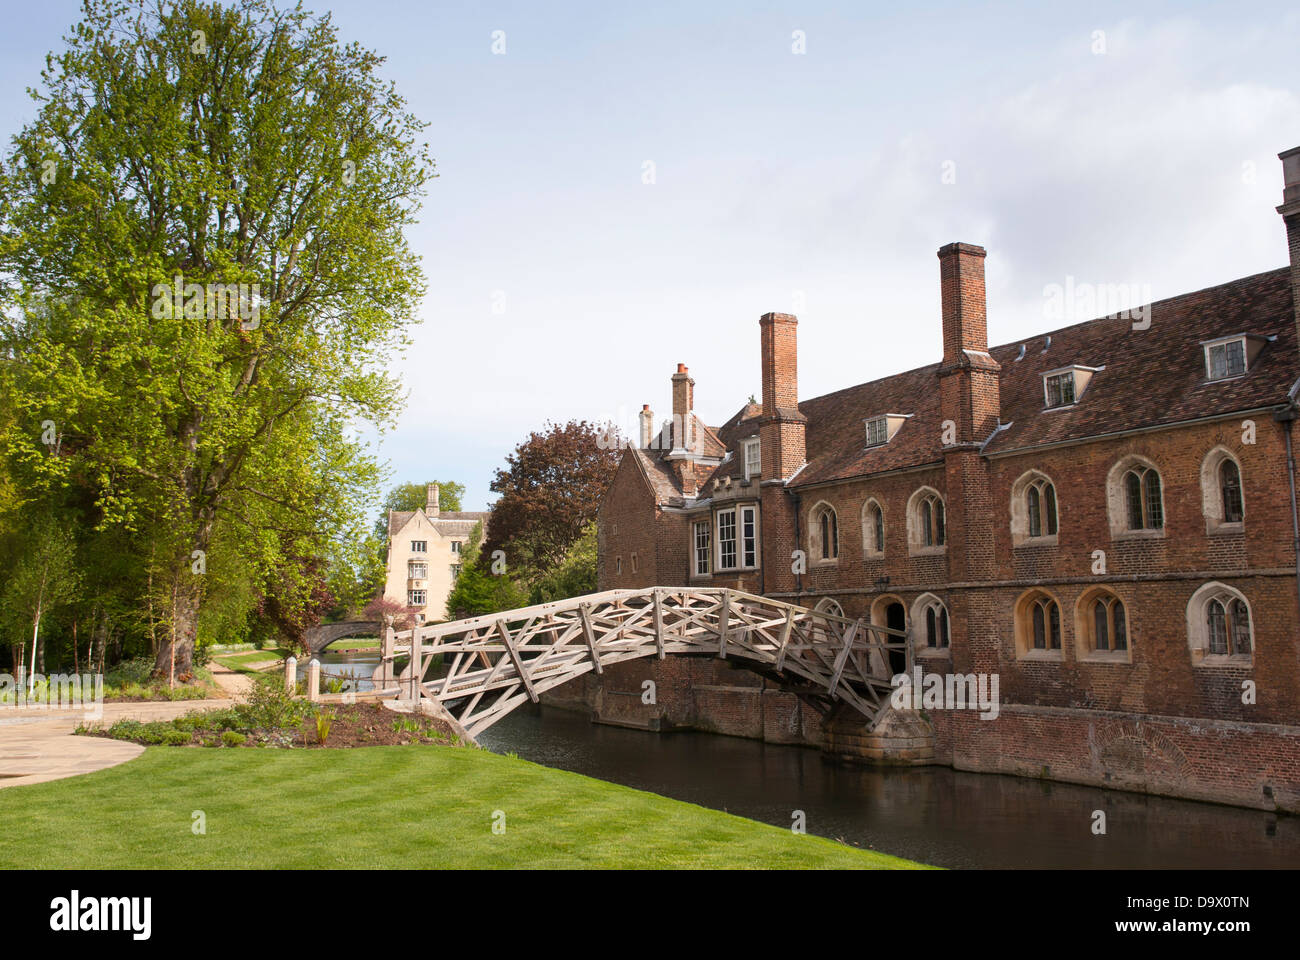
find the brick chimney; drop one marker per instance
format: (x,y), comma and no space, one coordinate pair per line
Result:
(781,435)
(970,397)
(683,407)
(781,429)
(647,426)
(431,501)
(1290,211)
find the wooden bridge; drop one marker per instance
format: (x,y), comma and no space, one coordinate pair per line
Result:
(496,662)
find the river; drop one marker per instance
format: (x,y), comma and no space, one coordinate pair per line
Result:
(931,814)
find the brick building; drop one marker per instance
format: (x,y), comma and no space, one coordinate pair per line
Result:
(1102,516)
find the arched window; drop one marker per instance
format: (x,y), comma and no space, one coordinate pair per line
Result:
(931,634)
(1219,626)
(1230,492)
(1038,624)
(1101,627)
(926,520)
(1222,498)
(1135,498)
(873,528)
(1228,623)
(1033,508)
(1142,498)
(824,532)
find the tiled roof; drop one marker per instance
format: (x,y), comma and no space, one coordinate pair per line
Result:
(1151,377)
(452,523)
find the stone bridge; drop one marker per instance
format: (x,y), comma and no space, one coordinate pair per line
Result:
(318,638)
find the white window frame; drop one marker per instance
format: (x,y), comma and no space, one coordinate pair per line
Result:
(455,546)
(753,452)
(416,598)
(417,570)
(1047,388)
(419,546)
(882,431)
(748,541)
(698,527)
(721,541)
(1223,343)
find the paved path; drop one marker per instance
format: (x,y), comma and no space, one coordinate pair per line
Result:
(38,745)
(234,683)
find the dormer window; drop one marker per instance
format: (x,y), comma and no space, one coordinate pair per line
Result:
(1225,359)
(1063,387)
(753,459)
(880,430)
(1229,357)
(1060,389)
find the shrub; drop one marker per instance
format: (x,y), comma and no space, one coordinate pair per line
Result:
(323,723)
(232,739)
(269,706)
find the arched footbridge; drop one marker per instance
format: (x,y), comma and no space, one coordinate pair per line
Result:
(496,662)
(318,638)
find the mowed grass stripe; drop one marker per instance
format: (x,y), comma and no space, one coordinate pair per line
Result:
(412,806)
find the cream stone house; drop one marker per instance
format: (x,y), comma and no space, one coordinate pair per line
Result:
(424,555)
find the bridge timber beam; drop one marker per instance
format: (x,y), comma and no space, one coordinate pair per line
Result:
(496,662)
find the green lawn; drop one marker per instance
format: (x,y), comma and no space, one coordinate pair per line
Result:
(413,806)
(238,661)
(356,643)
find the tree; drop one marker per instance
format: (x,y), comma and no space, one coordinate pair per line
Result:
(479,590)
(45,579)
(550,490)
(204,277)
(572,576)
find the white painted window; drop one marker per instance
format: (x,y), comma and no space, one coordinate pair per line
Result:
(877,431)
(455,572)
(415,598)
(1060,389)
(702,551)
(1225,359)
(419,546)
(749,535)
(727,539)
(455,546)
(417,570)
(753,459)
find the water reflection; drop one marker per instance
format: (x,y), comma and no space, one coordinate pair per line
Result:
(931,814)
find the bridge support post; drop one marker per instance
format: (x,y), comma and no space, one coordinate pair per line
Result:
(417,664)
(291,675)
(313,679)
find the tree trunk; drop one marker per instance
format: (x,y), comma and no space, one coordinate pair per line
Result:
(101,639)
(180,639)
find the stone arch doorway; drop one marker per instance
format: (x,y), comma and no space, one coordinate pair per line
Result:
(888,611)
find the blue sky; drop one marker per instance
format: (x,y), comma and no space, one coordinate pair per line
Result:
(562,285)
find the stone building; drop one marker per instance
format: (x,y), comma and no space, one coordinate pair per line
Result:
(424,550)
(1102,516)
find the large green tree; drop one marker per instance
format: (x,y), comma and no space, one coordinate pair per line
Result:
(204,147)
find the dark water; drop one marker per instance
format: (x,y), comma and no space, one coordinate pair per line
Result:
(359,666)
(931,814)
